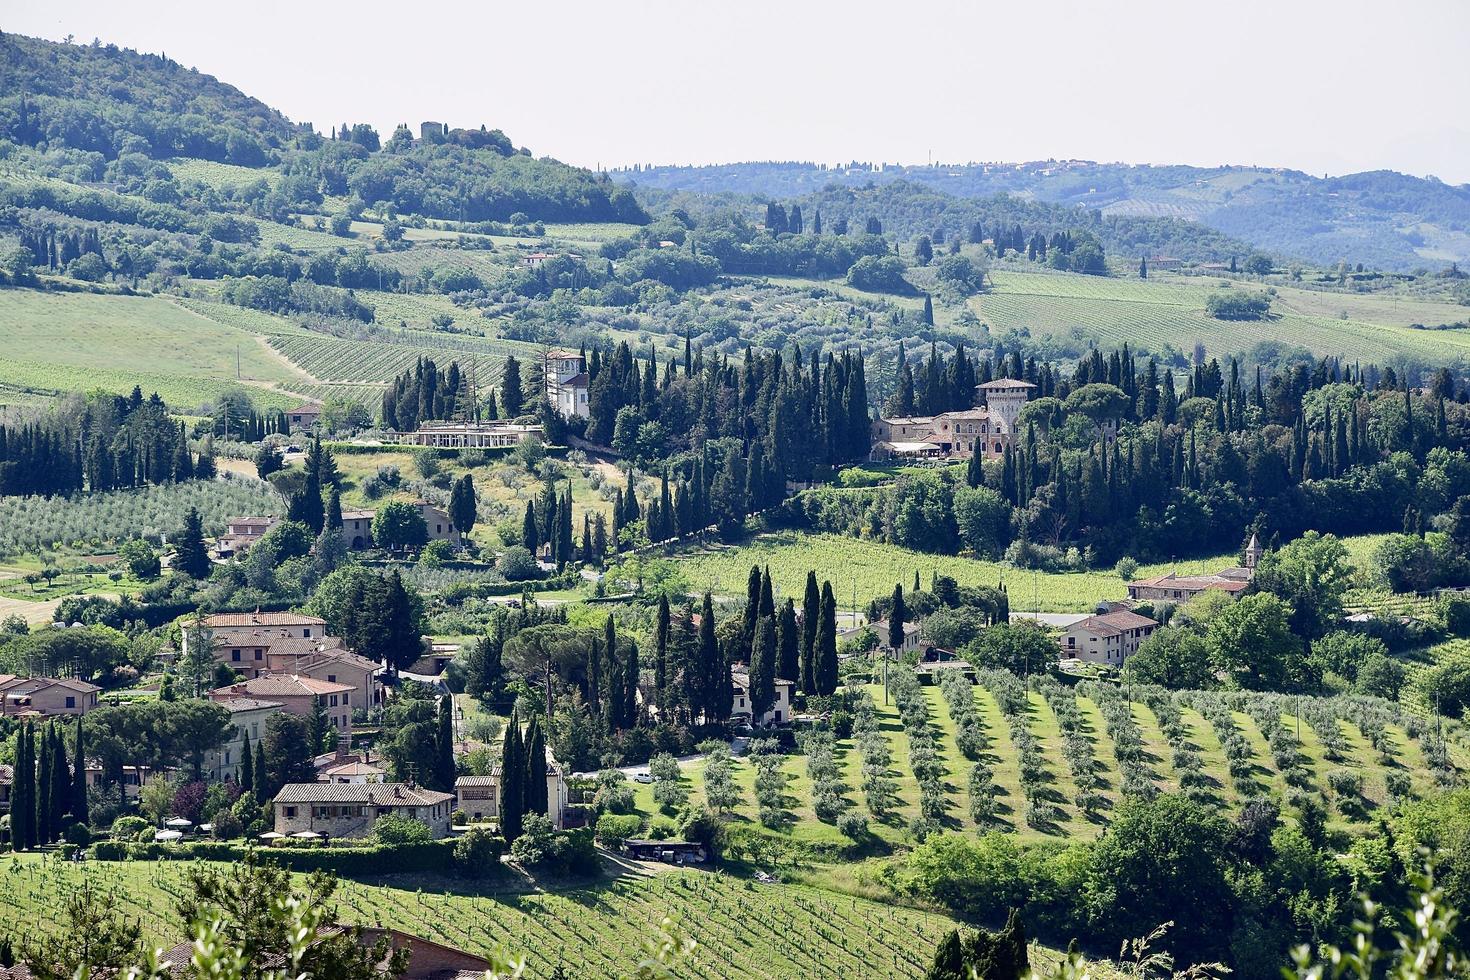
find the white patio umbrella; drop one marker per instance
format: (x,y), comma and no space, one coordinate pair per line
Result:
(271,835)
(178,823)
(167,835)
(306,835)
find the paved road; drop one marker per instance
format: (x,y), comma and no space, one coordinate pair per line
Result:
(737,747)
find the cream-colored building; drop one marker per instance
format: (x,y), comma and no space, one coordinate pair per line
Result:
(351,809)
(1109,638)
(247,724)
(45,697)
(357,526)
(472,435)
(297,696)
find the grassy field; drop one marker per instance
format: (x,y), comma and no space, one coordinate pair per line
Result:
(871,569)
(80,341)
(594,930)
(1166,313)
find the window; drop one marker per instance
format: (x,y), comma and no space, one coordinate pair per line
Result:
(290,812)
(331,678)
(306,633)
(259,653)
(334,701)
(345,699)
(235,656)
(71,702)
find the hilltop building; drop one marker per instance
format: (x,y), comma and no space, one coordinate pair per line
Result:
(567,383)
(956,435)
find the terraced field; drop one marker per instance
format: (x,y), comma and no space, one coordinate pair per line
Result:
(1166,314)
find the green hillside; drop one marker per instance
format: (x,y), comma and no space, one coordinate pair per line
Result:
(1166,314)
(592,930)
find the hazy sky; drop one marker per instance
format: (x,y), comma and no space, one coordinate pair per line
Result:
(1320,86)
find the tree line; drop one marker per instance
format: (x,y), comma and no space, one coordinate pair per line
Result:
(97,443)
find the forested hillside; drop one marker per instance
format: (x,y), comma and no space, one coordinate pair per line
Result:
(111,100)
(1384,219)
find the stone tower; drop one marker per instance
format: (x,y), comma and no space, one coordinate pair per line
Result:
(1004,398)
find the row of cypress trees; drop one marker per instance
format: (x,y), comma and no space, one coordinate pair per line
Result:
(522,775)
(48,795)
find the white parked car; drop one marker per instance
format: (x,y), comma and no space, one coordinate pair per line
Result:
(643,777)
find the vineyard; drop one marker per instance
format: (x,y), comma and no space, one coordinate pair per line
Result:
(1168,316)
(361,362)
(742,929)
(1045,760)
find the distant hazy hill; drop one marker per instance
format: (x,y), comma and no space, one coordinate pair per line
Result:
(1382,219)
(112,100)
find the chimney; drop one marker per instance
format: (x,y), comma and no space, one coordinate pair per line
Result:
(343,745)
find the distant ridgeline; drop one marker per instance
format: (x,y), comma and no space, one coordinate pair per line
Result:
(1384,219)
(103,442)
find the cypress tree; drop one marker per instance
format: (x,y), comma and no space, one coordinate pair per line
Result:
(535,798)
(897,616)
(752,610)
(247,768)
(631,674)
(79,809)
(512,780)
(826,645)
(811,607)
(22,800)
(529,536)
(444,747)
(262,781)
(43,790)
(708,660)
(60,784)
(661,654)
(788,643)
(762,674)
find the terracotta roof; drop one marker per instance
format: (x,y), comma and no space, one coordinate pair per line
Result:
(909,420)
(358,515)
(233,705)
(1113,623)
(254,521)
(371,794)
(1191,583)
(1000,384)
(353,769)
(445,963)
(29,685)
(475,781)
(278,686)
(576,381)
(969,414)
(263,619)
(306,409)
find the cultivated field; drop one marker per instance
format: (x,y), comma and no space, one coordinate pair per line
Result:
(80,341)
(1166,314)
(871,569)
(593,931)
(1334,740)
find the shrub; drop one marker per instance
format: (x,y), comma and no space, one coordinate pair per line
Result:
(614,828)
(478,852)
(852,825)
(78,834)
(127,827)
(392,829)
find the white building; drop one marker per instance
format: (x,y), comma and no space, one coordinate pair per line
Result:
(247,720)
(777,714)
(567,382)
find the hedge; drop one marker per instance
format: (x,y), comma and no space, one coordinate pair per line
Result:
(348,862)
